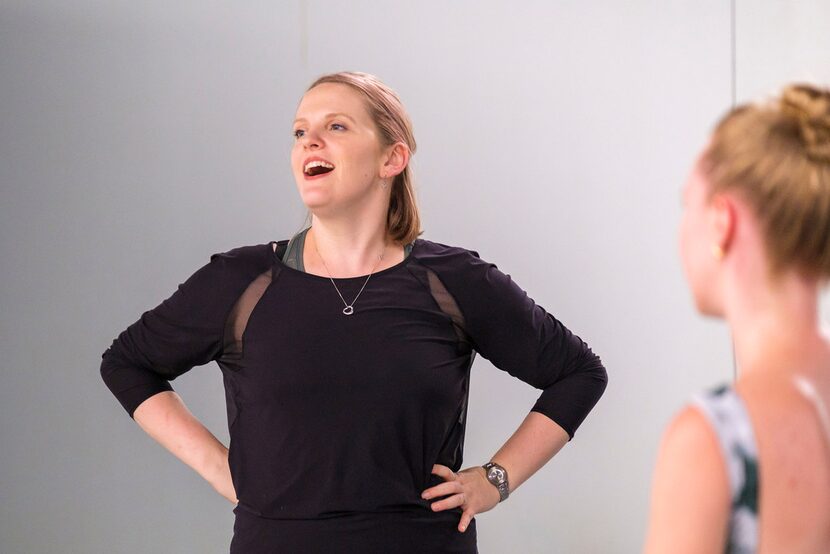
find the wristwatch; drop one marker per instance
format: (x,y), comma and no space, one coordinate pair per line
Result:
(497,475)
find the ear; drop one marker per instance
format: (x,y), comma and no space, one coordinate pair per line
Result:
(722,220)
(396,159)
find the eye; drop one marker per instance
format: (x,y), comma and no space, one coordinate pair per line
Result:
(337,127)
(298,133)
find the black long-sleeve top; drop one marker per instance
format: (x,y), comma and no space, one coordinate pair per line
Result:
(333,415)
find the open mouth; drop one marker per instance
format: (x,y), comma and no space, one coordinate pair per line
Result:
(317,167)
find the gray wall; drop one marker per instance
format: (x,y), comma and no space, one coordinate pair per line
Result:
(138,138)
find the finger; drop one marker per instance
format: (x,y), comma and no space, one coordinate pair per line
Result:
(445,488)
(466,518)
(454,501)
(444,472)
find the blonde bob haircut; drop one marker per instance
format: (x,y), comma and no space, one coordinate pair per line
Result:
(776,156)
(403,221)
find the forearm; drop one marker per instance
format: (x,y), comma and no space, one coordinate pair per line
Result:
(166,419)
(533,444)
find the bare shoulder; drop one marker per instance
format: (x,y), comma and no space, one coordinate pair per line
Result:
(689,423)
(690,437)
(690,491)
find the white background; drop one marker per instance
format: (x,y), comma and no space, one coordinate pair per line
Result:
(138,138)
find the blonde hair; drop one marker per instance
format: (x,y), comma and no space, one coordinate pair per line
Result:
(403,221)
(776,155)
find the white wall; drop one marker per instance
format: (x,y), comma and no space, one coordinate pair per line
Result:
(779,41)
(139,138)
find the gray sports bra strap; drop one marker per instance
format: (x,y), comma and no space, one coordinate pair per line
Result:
(293,256)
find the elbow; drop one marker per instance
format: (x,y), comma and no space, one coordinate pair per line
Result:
(594,373)
(106,366)
(129,383)
(600,374)
(111,362)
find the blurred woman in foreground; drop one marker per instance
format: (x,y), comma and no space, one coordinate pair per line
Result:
(746,468)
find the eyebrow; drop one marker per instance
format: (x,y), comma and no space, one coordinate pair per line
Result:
(329,116)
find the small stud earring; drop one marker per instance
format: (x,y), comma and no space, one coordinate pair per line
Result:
(717,251)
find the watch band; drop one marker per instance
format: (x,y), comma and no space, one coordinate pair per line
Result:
(497,476)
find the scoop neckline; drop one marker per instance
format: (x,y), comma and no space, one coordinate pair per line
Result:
(390,269)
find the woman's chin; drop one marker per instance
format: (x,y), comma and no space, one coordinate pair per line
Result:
(314,200)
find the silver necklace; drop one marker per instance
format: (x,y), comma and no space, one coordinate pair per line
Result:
(349,309)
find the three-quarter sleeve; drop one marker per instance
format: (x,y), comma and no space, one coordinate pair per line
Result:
(182,332)
(518,336)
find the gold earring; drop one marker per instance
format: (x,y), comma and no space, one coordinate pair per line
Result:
(717,251)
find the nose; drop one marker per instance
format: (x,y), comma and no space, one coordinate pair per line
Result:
(311,140)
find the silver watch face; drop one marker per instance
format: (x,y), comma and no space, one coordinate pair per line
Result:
(496,473)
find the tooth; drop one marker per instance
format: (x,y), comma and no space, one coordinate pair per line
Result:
(318,163)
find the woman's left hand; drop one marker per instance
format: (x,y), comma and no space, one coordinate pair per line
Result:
(468,489)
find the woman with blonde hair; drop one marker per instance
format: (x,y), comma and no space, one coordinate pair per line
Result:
(746,468)
(346,355)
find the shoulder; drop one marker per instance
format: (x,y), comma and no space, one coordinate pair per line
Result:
(235,266)
(467,275)
(250,257)
(689,432)
(706,421)
(247,253)
(442,256)
(691,450)
(424,248)
(690,497)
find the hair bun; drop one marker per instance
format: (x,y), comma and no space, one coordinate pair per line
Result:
(811,106)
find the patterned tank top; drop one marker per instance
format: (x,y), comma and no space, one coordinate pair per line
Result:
(727,414)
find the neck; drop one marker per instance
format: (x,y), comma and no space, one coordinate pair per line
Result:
(348,246)
(775,323)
